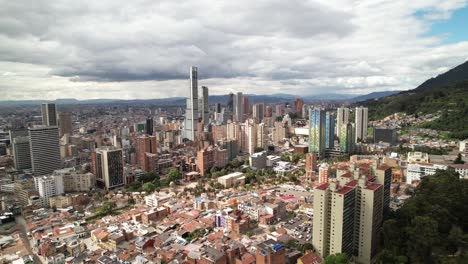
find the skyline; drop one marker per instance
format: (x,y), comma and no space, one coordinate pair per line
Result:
(117,51)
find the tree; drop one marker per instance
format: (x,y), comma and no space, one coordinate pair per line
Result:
(258,149)
(131,200)
(339,258)
(459,159)
(249,234)
(173,175)
(149,187)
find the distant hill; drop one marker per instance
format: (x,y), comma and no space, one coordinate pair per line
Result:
(253,98)
(374,95)
(453,76)
(446,95)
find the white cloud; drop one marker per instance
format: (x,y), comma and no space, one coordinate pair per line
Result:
(142,49)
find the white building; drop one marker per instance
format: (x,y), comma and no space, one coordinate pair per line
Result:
(76,181)
(417,157)
(462,169)
(464,147)
(415,171)
(361,120)
(272,160)
(48,186)
(230,179)
(155,200)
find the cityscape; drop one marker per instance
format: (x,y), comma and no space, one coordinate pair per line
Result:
(211,174)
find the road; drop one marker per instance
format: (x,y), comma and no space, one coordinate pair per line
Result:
(22,226)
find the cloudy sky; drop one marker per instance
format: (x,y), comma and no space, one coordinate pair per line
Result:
(143,48)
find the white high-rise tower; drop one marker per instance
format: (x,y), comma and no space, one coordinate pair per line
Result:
(342,118)
(361,123)
(191,113)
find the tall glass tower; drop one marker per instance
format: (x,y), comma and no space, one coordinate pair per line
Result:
(317,132)
(191,113)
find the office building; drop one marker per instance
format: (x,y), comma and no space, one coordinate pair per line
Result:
(317,132)
(361,122)
(298,106)
(257,160)
(329,130)
(258,112)
(108,167)
(342,118)
(20,132)
(145,144)
(268,111)
(149,126)
(231,103)
(191,113)
(245,107)
(279,110)
(65,124)
(44,149)
(238,110)
(49,114)
(205,110)
(385,135)
(21,152)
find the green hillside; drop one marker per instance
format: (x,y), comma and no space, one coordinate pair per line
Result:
(431,226)
(446,95)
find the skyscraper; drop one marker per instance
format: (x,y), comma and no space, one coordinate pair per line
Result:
(262,136)
(329,130)
(108,167)
(205,110)
(317,132)
(230,104)
(268,111)
(21,153)
(298,104)
(145,144)
(258,112)
(347,138)
(65,123)
(342,118)
(361,120)
(149,126)
(238,110)
(49,114)
(191,114)
(245,107)
(45,149)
